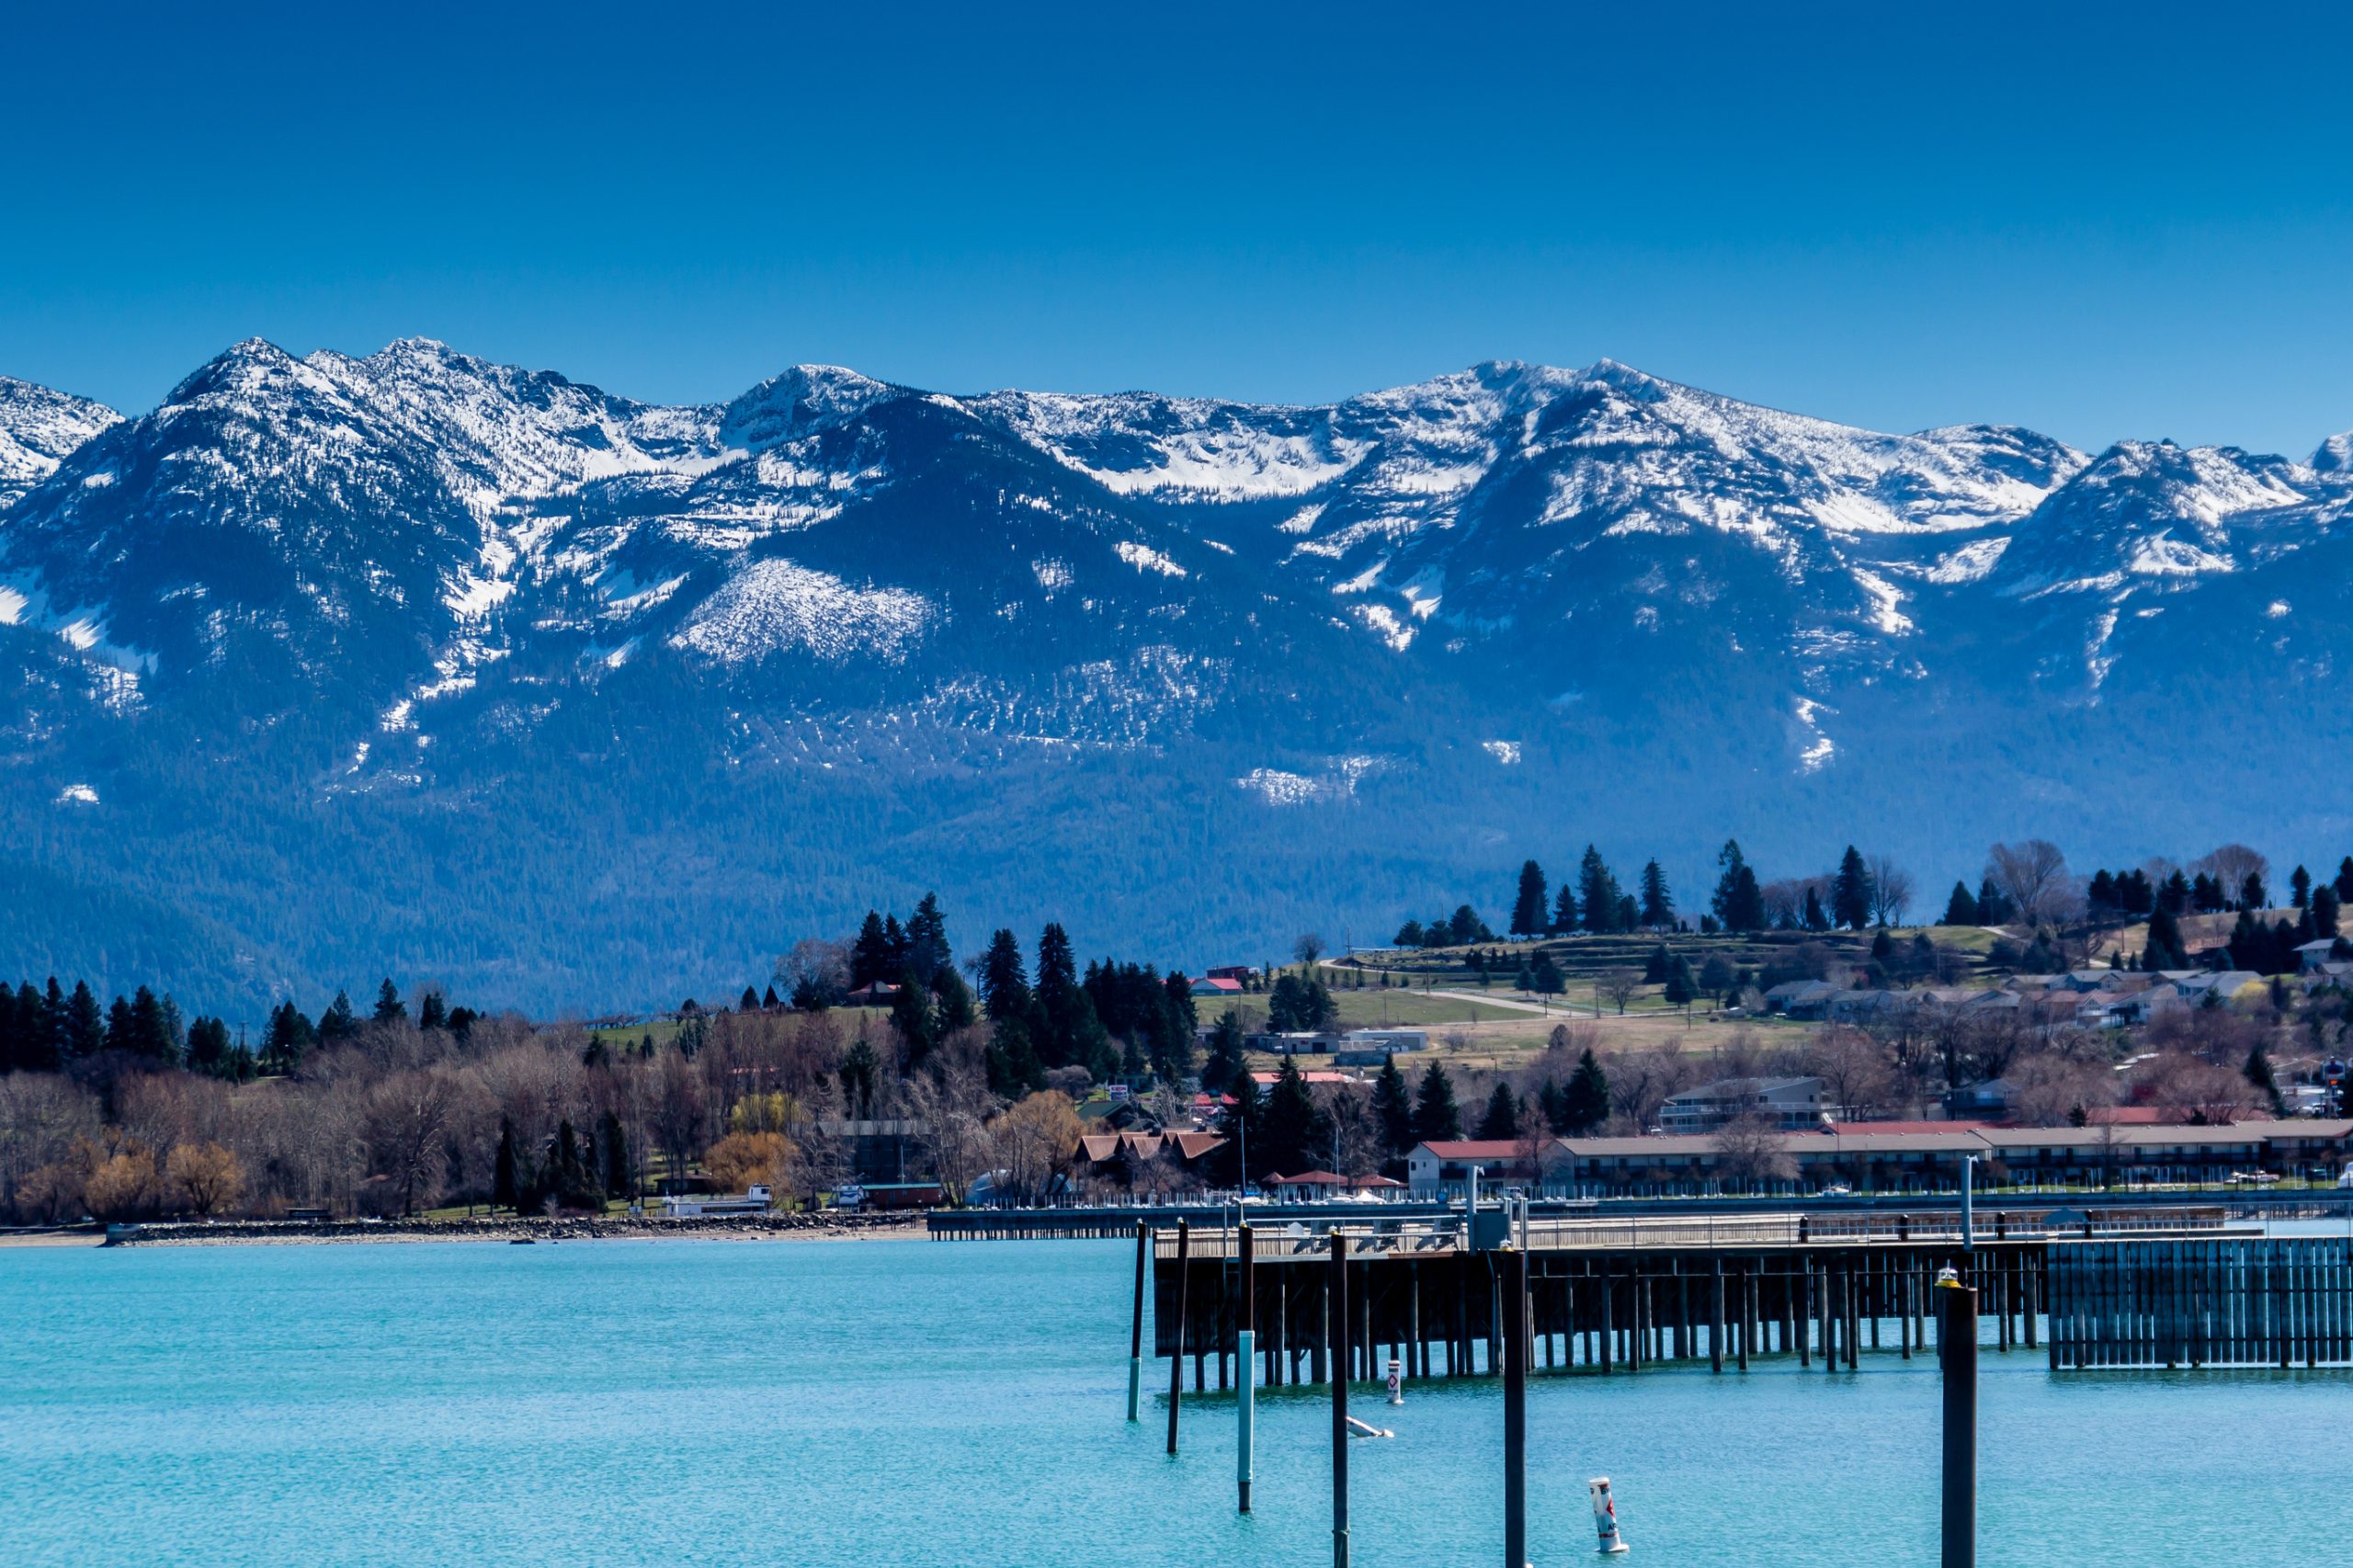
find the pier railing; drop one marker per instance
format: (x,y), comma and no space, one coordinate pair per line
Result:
(1216,1239)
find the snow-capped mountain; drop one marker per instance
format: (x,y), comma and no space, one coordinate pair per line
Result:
(692,679)
(38,428)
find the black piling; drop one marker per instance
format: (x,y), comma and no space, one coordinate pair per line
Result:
(1957,1342)
(1245,1342)
(1336,1333)
(1177,1350)
(1136,1328)
(1515,1332)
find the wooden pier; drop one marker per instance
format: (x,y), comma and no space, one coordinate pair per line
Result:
(2126,1289)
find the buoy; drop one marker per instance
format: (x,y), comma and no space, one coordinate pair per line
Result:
(1605,1515)
(1396,1381)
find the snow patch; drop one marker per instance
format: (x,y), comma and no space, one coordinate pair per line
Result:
(774,606)
(2278,610)
(1505,752)
(77,795)
(1143,558)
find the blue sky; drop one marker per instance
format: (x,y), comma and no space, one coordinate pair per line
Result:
(2100,222)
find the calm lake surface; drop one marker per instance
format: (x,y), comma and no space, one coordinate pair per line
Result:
(867,1404)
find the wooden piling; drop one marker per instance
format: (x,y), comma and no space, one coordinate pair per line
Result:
(1135,1326)
(1177,1351)
(1338,1289)
(1515,1338)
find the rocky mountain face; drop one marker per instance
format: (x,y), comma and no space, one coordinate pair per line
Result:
(331,665)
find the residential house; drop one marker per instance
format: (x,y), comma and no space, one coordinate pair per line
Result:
(1212,988)
(1800,998)
(1439,1169)
(1791,1103)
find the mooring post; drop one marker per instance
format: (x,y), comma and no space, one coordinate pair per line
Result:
(1245,1374)
(1339,1290)
(1177,1350)
(1957,1335)
(1514,1296)
(1135,1329)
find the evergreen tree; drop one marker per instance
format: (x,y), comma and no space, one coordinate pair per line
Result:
(1437,1119)
(1299,1136)
(895,950)
(1004,984)
(2164,949)
(2344,883)
(153,1031)
(1597,891)
(338,1022)
(2252,894)
(1544,975)
(121,1034)
(2327,908)
(1500,1120)
(1682,988)
(1657,964)
(389,1009)
(1243,1123)
(952,999)
(1586,1102)
(1063,1041)
(1961,909)
(1393,1108)
(1527,912)
(2300,888)
(1850,892)
(620,1175)
(2173,897)
(209,1050)
(1993,909)
(869,954)
(1225,1060)
(917,1028)
(433,1012)
(1738,903)
(2258,1073)
(928,949)
(1410,934)
(506,1189)
(1815,918)
(1564,911)
(85,1025)
(749,1002)
(1658,903)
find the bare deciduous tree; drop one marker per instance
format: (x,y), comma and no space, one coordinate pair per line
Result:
(1619,986)
(1750,1150)
(1892,890)
(2030,874)
(1307,948)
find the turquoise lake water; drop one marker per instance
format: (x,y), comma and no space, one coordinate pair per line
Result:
(867,1404)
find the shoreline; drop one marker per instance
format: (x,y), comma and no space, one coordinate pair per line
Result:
(509,1228)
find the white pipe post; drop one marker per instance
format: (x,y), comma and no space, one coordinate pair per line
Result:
(1969,1203)
(1605,1517)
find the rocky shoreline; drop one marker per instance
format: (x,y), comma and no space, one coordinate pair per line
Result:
(510,1228)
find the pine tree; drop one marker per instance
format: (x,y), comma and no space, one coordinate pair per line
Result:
(505,1188)
(1961,909)
(2344,883)
(928,949)
(2252,894)
(1437,1119)
(2327,908)
(1564,911)
(121,1034)
(1500,1121)
(1393,1108)
(389,1009)
(1597,891)
(1299,1134)
(1544,975)
(85,1028)
(2165,945)
(2258,1073)
(1004,984)
(1738,903)
(1993,909)
(2300,888)
(620,1176)
(1658,905)
(1585,1103)
(1850,892)
(338,1022)
(1243,1123)
(749,1002)
(869,954)
(1657,964)
(432,1011)
(1681,989)
(1225,1061)
(1815,918)
(1528,914)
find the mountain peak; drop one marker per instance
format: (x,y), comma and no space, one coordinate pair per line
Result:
(39,428)
(2335,455)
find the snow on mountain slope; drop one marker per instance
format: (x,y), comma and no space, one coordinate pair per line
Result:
(38,429)
(2335,455)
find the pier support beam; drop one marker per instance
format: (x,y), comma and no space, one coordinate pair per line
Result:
(1136,1328)
(1337,1316)
(1177,1350)
(1246,1396)
(1514,1334)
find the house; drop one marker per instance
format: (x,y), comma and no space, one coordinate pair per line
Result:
(1799,998)
(2141,1006)
(1116,1156)
(1240,973)
(2321,976)
(1320,1043)
(1992,1100)
(2315,954)
(1792,1103)
(1371,1048)
(1434,1170)
(877,993)
(2220,984)
(1214,987)
(1870,1006)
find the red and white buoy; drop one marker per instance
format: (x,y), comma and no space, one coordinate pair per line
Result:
(1396,1381)
(1605,1515)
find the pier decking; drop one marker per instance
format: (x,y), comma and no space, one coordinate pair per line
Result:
(2129,1288)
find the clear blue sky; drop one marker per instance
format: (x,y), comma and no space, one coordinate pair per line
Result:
(2101,222)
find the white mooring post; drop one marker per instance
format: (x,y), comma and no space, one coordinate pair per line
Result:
(1605,1515)
(1969,1203)
(1396,1381)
